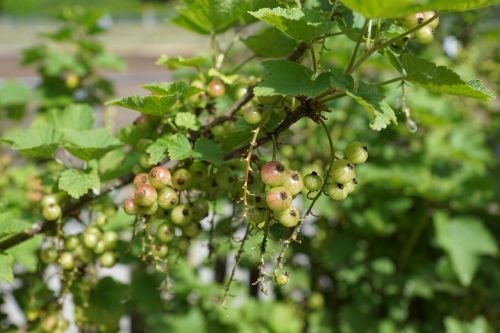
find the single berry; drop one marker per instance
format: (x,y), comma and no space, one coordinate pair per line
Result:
(90,238)
(278,199)
(313,181)
(257,217)
(200,208)
(49,200)
(181,214)
(434,23)
(226,177)
(198,170)
(141,179)
(218,131)
(181,179)
(84,254)
(71,243)
(413,20)
(110,239)
(273,174)
(351,186)
(281,278)
(52,212)
(293,182)
(164,233)
(337,191)
(101,220)
(99,248)
(252,115)
(159,251)
(259,200)
(144,161)
(107,259)
(130,207)
(159,177)
(145,195)
(149,210)
(216,88)
(191,230)
(342,171)
(167,198)
(49,255)
(290,217)
(356,152)
(67,260)
(425,35)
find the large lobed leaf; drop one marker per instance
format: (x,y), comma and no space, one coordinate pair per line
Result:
(270,43)
(399,8)
(152,105)
(39,142)
(77,182)
(90,144)
(300,24)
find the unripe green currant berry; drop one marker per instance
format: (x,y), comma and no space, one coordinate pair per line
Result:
(181,214)
(337,191)
(143,144)
(159,251)
(149,210)
(191,230)
(290,217)
(107,259)
(110,239)
(252,115)
(49,255)
(356,152)
(351,186)
(427,15)
(316,301)
(259,200)
(257,217)
(159,177)
(71,243)
(218,131)
(413,20)
(226,177)
(144,161)
(141,179)
(313,181)
(199,208)
(49,323)
(342,171)
(181,179)
(268,100)
(99,248)
(278,199)
(101,220)
(67,260)
(293,182)
(164,233)
(49,200)
(167,198)
(273,174)
(281,278)
(425,35)
(130,207)
(216,88)
(91,238)
(198,170)
(145,195)
(52,212)
(84,254)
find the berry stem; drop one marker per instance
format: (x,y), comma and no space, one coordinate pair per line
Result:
(248,160)
(396,79)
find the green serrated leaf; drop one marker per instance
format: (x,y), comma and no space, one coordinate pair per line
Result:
(6,262)
(399,8)
(179,147)
(158,150)
(171,88)
(173,63)
(270,43)
(300,24)
(26,254)
(37,141)
(208,16)
(10,223)
(152,105)
(77,183)
(74,116)
(287,78)
(207,150)
(90,144)
(371,98)
(187,120)
(440,79)
(465,239)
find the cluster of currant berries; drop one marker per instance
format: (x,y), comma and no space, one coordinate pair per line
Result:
(425,34)
(341,180)
(283,185)
(84,248)
(51,209)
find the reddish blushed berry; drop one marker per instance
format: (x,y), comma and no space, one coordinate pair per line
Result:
(278,199)
(145,195)
(141,179)
(130,207)
(159,177)
(216,88)
(273,174)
